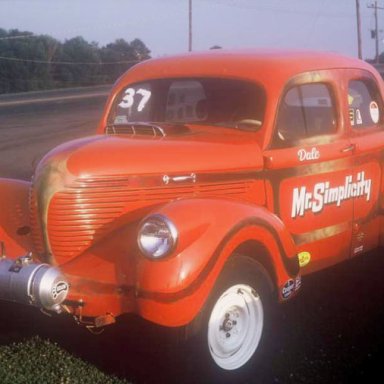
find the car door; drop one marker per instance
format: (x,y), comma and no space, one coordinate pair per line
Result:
(309,166)
(365,110)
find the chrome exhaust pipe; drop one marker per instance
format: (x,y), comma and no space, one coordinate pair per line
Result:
(41,285)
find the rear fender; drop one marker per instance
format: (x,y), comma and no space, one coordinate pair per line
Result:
(14,217)
(171,291)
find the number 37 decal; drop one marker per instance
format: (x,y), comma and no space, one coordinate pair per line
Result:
(141,96)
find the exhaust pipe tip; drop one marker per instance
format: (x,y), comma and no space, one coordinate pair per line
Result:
(49,288)
(25,282)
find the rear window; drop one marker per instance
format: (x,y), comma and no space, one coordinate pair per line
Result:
(364,103)
(215,101)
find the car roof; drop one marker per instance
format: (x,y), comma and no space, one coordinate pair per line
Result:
(265,65)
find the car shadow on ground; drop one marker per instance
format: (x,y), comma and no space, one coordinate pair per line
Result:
(332,332)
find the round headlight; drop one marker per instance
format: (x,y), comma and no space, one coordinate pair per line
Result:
(157,236)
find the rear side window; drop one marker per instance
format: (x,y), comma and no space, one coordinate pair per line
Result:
(364,104)
(306,111)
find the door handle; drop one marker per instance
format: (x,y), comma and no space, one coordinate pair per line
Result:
(179,179)
(349,148)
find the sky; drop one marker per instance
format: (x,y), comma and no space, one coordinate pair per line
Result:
(162,25)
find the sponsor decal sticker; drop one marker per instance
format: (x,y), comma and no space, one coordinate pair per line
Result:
(288,289)
(298,283)
(324,193)
(352,116)
(304,258)
(358,249)
(374,111)
(359,119)
(121,120)
(291,287)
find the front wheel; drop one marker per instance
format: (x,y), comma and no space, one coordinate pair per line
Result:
(233,325)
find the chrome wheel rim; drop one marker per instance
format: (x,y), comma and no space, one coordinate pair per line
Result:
(235,326)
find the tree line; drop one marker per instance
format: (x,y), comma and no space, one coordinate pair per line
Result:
(31,62)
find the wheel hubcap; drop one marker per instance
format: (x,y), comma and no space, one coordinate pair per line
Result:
(235,326)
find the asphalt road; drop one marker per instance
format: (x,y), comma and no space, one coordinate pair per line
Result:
(32,124)
(333,332)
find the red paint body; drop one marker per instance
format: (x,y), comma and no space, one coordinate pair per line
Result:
(226,189)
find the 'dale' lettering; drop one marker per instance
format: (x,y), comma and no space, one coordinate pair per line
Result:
(304,155)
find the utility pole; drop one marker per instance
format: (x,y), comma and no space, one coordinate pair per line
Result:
(375,33)
(190,26)
(359,48)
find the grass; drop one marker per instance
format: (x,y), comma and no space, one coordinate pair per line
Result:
(53,349)
(40,361)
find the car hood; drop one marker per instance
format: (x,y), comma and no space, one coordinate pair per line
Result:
(125,155)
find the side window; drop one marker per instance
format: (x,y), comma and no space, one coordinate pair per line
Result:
(363,103)
(306,111)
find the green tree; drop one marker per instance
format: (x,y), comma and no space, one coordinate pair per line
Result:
(24,62)
(139,50)
(32,62)
(80,62)
(120,55)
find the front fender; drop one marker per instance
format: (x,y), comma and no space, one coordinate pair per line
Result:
(171,291)
(14,217)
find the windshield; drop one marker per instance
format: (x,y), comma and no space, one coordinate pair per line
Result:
(214,101)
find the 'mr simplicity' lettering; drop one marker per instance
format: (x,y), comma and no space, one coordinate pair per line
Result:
(323,194)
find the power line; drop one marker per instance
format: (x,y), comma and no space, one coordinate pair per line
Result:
(275,9)
(67,62)
(17,37)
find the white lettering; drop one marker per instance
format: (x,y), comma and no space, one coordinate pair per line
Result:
(304,155)
(298,205)
(145,97)
(318,197)
(323,194)
(129,98)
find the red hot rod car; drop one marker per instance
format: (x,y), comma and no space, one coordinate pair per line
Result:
(214,182)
